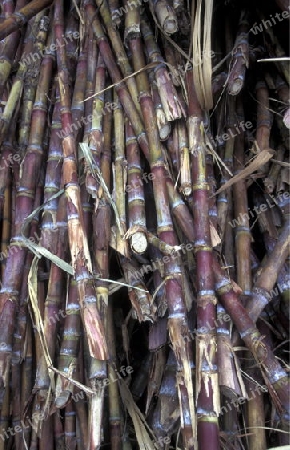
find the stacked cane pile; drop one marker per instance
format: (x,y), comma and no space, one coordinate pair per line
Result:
(144,205)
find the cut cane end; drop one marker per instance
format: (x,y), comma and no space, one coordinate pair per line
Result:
(62,399)
(138,242)
(170,26)
(164,132)
(236,87)
(187,191)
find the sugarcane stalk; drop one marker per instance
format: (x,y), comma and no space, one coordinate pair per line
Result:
(113,391)
(141,378)
(123,93)
(164,417)
(6,227)
(143,307)
(243,235)
(243,238)
(10,45)
(40,27)
(4,417)
(155,375)
(132,20)
(207,391)
(164,126)
(119,50)
(264,120)
(9,294)
(52,184)
(172,150)
(78,105)
(101,239)
(275,376)
(115,10)
(70,427)
(120,175)
(74,48)
(26,378)
(166,16)
(20,332)
(96,130)
(81,260)
(279,52)
(233,438)
(268,275)
(31,80)
(135,190)
(270,182)
(230,381)
(21,17)
(174,61)
(8,157)
(91,84)
(80,403)
(224,198)
(58,432)
(172,107)
(69,347)
(240,58)
(183,148)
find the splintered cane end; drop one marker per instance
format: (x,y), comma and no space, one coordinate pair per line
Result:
(139,242)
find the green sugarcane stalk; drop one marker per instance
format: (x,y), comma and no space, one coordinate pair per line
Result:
(264,121)
(183,149)
(135,190)
(40,29)
(8,154)
(115,11)
(255,406)
(166,16)
(121,56)
(21,17)
(225,197)
(96,132)
(90,90)
(120,176)
(9,46)
(123,93)
(132,20)
(70,427)
(77,104)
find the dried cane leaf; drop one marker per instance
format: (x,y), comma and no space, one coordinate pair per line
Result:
(140,425)
(261,159)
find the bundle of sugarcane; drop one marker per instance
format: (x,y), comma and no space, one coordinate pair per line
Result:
(144,299)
